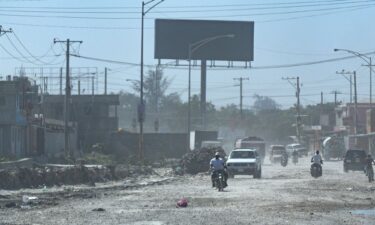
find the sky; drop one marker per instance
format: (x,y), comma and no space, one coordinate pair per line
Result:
(286,32)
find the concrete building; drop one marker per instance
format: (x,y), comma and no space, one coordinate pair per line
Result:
(18,98)
(95,116)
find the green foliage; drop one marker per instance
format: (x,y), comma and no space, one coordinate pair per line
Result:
(99,158)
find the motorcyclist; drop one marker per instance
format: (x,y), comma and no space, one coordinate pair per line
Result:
(317,160)
(217,164)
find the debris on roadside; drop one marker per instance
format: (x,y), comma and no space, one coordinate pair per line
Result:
(10,205)
(98,210)
(198,160)
(57,175)
(182,203)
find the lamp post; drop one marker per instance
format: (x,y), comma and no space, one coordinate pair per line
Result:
(192,48)
(365,58)
(141,107)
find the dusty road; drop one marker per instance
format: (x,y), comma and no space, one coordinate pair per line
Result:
(283,196)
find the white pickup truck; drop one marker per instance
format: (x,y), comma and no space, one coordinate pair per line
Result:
(244,162)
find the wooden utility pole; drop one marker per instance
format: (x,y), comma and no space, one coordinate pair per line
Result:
(349,79)
(241,93)
(355,104)
(335,93)
(2,31)
(298,106)
(68,150)
(105,80)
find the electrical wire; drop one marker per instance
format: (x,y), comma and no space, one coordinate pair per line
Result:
(253,67)
(178,7)
(36,59)
(238,8)
(206,16)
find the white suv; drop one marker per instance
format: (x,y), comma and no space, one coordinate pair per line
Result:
(244,162)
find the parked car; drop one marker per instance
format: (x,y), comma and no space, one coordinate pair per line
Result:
(244,162)
(355,159)
(276,153)
(302,150)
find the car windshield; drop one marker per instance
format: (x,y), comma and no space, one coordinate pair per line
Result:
(242,155)
(355,154)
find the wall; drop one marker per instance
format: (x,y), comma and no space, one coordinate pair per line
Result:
(156,145)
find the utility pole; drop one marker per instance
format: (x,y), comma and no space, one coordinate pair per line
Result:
(141,106)
(2,31)
(61,72)
(79,87)
(348,76)
(355,105)
(92,85)
(298,109)
(105,80)
(241,93)
(68,150)
(370,65)
(321,98)
(336,93)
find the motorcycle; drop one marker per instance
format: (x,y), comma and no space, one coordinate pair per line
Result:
(370,173)
(316,170)
(219,180)
(284,160)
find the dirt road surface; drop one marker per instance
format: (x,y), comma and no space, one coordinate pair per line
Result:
(284,195)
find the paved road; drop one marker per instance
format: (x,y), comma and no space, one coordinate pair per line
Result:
(284,195)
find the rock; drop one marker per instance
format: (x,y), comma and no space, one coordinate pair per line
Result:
(98,210)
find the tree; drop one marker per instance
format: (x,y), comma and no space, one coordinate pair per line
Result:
(154,87)
(264,103)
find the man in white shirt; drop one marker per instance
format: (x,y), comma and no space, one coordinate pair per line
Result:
(217,164)
(317,160)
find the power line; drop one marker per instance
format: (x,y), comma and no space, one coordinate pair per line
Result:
(244,7)
(213,16)
(37,59)
(253,67)
(177,7)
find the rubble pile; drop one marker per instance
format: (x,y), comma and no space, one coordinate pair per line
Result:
(198,160)
(38,177)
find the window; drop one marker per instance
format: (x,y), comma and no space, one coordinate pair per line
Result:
(242,155)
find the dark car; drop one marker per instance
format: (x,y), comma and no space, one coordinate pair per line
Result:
(354,159)
(276,153)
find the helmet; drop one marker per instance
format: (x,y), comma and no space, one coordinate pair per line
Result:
(369,155)
(317,152)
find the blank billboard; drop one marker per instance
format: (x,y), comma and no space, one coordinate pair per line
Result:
(221,40)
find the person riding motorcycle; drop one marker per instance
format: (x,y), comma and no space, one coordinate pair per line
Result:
(217,164)
(317,161)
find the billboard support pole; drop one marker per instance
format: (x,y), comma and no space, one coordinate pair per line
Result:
(203,93)
(191,49)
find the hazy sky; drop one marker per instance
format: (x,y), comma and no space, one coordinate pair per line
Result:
(286,32)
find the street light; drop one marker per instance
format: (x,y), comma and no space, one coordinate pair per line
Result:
(365,58)
(141,107)
(192,48)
